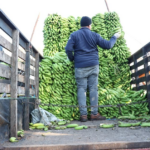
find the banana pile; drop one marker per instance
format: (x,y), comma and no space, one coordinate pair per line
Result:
(64,34)
(118,96)
(98,25)
(51,34)
(72,24)
(58,86)
(57,81)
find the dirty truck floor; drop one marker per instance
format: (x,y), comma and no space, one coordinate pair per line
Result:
(90,136)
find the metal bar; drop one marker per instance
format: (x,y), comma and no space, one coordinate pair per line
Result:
(107,6)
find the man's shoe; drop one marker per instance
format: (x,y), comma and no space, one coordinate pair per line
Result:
(97,117)
(83,118)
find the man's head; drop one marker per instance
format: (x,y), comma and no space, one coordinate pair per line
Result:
(86,22)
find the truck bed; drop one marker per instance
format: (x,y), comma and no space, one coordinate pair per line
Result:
(92,138)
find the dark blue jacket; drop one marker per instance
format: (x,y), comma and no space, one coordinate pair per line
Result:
(83,43)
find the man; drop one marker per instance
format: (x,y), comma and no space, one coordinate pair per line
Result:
(83,43)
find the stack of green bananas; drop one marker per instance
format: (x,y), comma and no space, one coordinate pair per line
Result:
(118,96)
(64,33)
(120,51)
(58,86)
(72,24)
(51,34)
(98,25)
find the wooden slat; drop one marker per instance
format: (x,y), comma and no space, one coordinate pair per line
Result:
(140,72)
(22,79)
(5,88)
(32,62)
(144,87)
(5,58)
(5,27)
(140,63)
(13,83)
(138,80)
(130,59)
(7,45)
(139,54)
(21,55)
(22,67)
(4,81)
(4,71)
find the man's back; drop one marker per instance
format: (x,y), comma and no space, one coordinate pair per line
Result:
(84,45)
(85,48)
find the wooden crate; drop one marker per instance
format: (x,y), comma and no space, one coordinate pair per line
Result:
(14,83)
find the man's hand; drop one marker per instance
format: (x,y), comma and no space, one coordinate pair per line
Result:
(117,35)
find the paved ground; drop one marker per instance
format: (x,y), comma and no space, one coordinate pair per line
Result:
(90,136)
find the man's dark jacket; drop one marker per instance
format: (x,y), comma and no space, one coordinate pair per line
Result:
(83,43)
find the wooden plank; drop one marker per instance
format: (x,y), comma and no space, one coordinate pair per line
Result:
(4,26)
(27,87)
(32,52)
(143,79)
(140,63)
(140,88)
(4,71)
(5,88)
(37,76)
(22,79)
(32,62)
(4,81)
(6,44)
(115,145)
(139,72)
(22,41)
(130,59)
(5,58)
(21,66)
(21,55)
(13,83)
(139,54)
